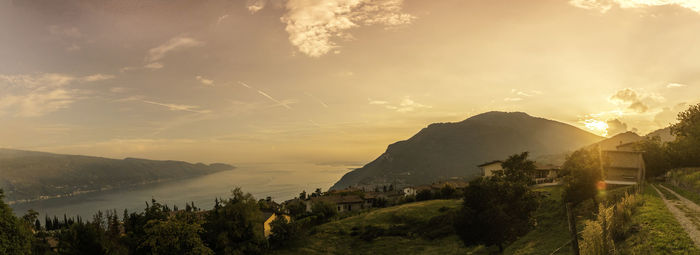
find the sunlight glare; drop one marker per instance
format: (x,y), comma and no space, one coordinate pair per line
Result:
(597,126)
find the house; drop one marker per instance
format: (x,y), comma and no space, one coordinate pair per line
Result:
(545,173)
(623,167)
(488,168)
(343,203)
(409,191)
(269,217)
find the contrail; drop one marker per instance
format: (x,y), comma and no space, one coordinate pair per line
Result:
(317,99)
(244,85)
(274,100)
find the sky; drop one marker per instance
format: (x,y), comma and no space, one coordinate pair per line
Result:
(329,81)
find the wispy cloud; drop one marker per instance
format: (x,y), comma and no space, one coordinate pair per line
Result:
(317,99)
(314,25)
(221,18)
(34,95)
(178,107)
(405,105)
(97,77)
(283,103)
(675,85)
(513,99)
(177,43)
(605,5)
(204,81)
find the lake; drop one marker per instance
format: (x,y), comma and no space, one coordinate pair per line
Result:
(279,181)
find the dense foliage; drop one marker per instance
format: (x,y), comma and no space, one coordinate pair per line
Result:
(582,171)
(497,209)
(15,236)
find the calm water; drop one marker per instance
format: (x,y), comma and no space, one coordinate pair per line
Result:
(281,182)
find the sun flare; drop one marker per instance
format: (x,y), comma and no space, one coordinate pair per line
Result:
(597,126)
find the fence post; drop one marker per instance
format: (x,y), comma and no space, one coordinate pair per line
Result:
(572,227)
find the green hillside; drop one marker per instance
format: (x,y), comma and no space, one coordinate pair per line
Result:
(405,230)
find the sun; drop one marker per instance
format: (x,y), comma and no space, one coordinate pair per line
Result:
(597,126)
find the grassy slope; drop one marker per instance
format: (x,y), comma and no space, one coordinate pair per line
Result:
(659,232)
(336,238)
(552,230)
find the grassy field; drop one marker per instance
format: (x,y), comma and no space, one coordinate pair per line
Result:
(552,230)
(657,231)
(685,182)
(404,229)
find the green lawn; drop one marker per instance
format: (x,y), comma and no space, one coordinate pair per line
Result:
(657,232)
(402,227)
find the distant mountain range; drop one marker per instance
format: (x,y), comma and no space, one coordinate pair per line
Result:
(30,175)
(444,150)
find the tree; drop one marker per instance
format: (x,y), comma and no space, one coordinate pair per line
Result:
(582,172)
(296,208)
(424,194)
(236,227)
(656,157)
(283,231)
(323,210)
(447,191)
(174,236)
(82,238)
(686,147)
(495,212)
(517,168)
(15,237)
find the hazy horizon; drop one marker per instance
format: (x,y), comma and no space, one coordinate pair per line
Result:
(329,81)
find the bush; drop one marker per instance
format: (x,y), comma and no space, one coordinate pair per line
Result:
(609,225)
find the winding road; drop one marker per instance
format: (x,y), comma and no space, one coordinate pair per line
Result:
(686,212)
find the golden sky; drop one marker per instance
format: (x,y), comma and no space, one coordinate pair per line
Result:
(329,81)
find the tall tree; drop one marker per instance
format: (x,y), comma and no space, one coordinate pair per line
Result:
(236,227)
(15,237)
(517,168)
(582,172)
(686,148)
(174,236)
(495,211)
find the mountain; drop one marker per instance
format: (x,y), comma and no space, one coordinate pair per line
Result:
(444,150)
(30,175)
(619,139)
(664,134)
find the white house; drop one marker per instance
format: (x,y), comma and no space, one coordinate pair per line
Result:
(488,168)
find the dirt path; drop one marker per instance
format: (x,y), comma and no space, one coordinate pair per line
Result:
(685,212)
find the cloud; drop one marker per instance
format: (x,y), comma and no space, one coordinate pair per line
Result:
(119,90)
(34,95)
(178,107)
(256,5)
(675,85)
(97,77)
(177,43)
(154,65)
(405,105)
(636,101)
(314,25)
(520,94)
(668,115)
(512,99)
(204,81)
(62,31)
(605,5)
(221,18)
(615,126)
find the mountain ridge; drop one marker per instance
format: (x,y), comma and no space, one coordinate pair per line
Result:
(32,175)
(453,149)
